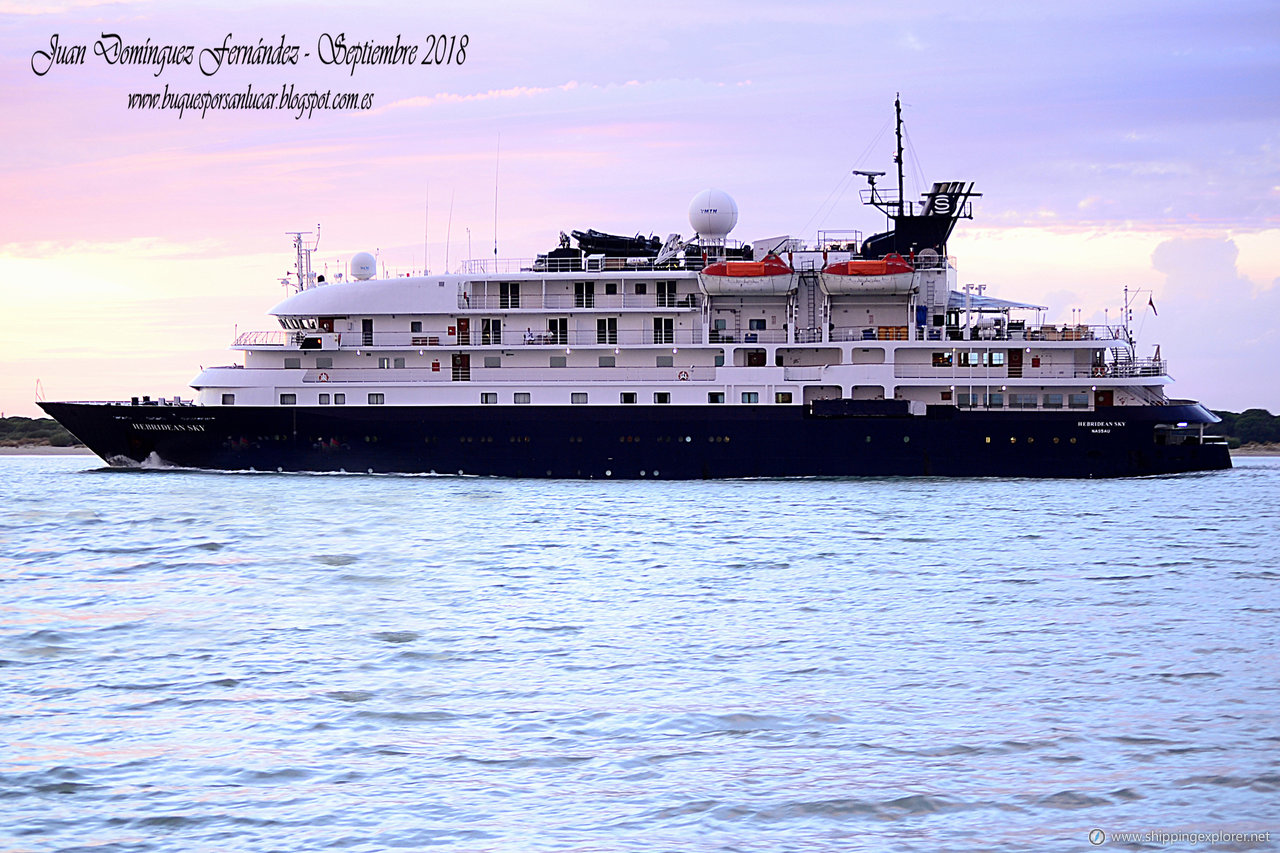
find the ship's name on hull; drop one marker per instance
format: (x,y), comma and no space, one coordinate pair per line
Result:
(169,427)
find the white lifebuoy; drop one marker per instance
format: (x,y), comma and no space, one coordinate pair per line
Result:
(323,377)
(683,375)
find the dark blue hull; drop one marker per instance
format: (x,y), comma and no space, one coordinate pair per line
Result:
(668,442)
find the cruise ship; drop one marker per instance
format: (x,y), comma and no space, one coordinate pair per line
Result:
(704,357)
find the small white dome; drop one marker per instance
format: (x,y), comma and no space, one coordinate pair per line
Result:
(712,214)
(363,266)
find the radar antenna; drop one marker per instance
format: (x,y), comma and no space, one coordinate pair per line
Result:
(304,249)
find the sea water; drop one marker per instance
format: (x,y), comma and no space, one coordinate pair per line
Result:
(213,662)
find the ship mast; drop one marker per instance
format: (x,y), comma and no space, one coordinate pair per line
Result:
(897,108)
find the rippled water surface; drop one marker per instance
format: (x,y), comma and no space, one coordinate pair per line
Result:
(246,662)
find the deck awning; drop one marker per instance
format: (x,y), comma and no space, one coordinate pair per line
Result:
(986,304)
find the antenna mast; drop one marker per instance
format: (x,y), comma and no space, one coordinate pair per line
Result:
(303,264)
(897,158)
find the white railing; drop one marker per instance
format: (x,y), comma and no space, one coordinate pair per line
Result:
(468,301)
(561,375)
(273,338)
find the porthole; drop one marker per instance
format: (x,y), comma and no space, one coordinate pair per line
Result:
(868,439)
(905,439)
(988,439)
(1013,439)
(1055,439)
(1031,439)
(1073,439)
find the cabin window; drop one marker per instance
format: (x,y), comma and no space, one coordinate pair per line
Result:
(324,399)
(323,362)
(610,288)
(509,294)
(715,396)
(288,399)
(493,361)
(607,361)
(969,358)
(995,401)
(607,330)
(627,397)
(666,295)
(490,331)
(946,396)
(489,398)
(751,396)
(384,362)
(339,399)
(993,359)
(720,360)
(1078,401)
(661,396)
(578,398)
(292,363)
(1022,401)
(967,401)
(1053,401)
(663,330)
(559,361)
(228,399)
(666,361)
(584,294)
(642,287)
(521,397)
(415,326)
(942,359)
(377,399)
(782,397)
(398,363)
(756,324)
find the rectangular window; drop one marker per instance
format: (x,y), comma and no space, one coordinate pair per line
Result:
(756,324)
(521,397)
(324,362)
(661,397)
(384,362)
(509,294)
(610,288)
(584,294)
(942,359)
(720,360)
(715,396)
(1078,401)
(324,399)
(993,359)
(663,330)
(782,397)
(489,398)
(969,358)
(558,330)
(415,326)
(1053,401)
(642,288)
(666,295)
(1022,401)
(399,363)
(288,399)
(607,330)
(946,396)
(377,399)
(995,401)
(493,361)
(228,399)
(607,361)
(559,361)
(578,398)
(490,331)
(292,363)
(751,396)
(666,361)
(627,397)
(339,399)
(967,401)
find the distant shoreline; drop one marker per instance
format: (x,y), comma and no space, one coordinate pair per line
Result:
(45,450)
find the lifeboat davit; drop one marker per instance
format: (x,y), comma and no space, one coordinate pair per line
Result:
(890,274)
(770,277)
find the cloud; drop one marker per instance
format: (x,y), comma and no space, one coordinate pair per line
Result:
(1219,328)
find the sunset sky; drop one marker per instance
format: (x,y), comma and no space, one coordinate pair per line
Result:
(1115,143)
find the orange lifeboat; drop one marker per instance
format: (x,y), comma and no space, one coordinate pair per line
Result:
(890,274)
(771,276)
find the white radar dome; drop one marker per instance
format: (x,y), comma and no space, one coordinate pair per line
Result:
(363,266)
(712,214)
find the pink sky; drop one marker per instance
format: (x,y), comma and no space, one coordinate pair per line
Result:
(1115,143)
